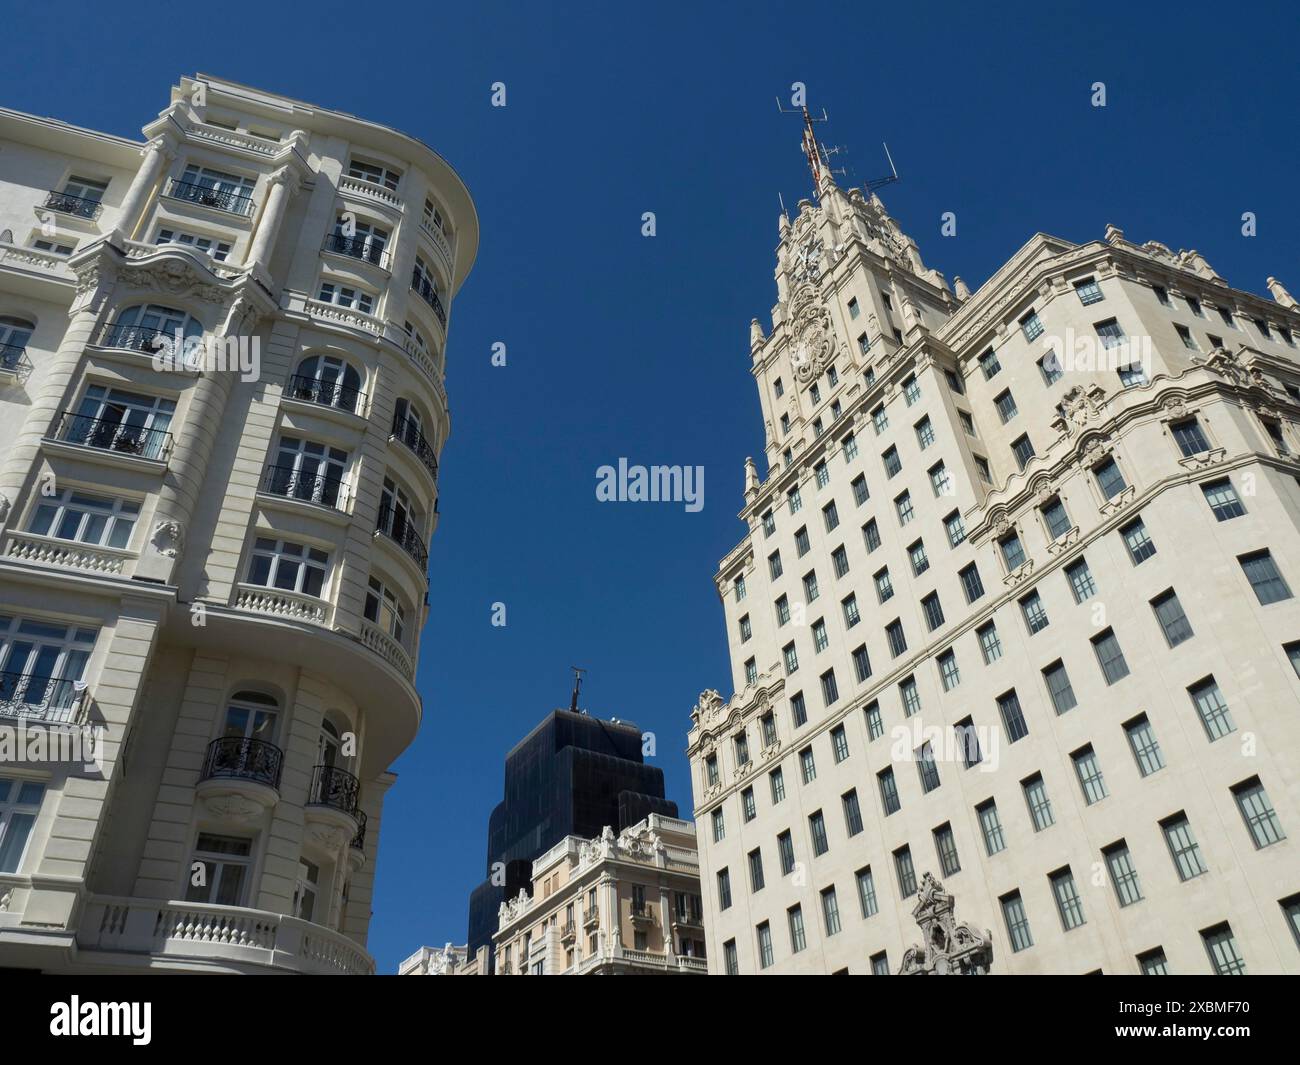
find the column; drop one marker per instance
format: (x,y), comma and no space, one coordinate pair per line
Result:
(268,227)
(157,156)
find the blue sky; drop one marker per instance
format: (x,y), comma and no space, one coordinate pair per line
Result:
(619,345)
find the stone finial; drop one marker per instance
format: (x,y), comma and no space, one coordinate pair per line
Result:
(755,333)
(1113,234)
(751,478)
(1280,294)
(783,224)
(961,288)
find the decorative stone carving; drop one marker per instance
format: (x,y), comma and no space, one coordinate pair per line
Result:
(1079,407)
(173,276)
(5,504)
(234,809)
(947,948)
(330,838)
(707,707)
(812,344)
(167,538)
(1280,295)
(961,288)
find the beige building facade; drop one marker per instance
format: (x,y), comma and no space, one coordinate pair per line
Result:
(223,395)
(1015,607)
(615,905)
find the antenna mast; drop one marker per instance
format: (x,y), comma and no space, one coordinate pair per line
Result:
(577,688)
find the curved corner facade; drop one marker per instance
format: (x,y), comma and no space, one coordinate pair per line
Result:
(222,380)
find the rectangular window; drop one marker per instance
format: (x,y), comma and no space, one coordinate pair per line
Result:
(893,464)
(888,791)
(790,657)
(1023,450)
(1068,903)
(989,364)
(860,493)
(875,724)
(756,870)
(782,611)
(1109,478)
(949,674)
(20,803)
(1013,552)
(884,586)
(1035,614)
(1013,913)
(1222,499)
(769,523)
(830,516)
(1088,770)
(1005,403)
(1140,546)
(839,743)
(911,697)
(1258,813)
(1040,806)
(777,779)
(830,690)
(810,591)
(903,505)
(785,847)
(906,872)
(85,518)
(774,568)
(1056,519)
(897,639)
(822,474)
(924,432)
(990,645)
(946,848)
(926,769)
(852,812)
(1213,709)
(871,535)
(830,911)
(731,961)
(1265,579)
(861,663)
(1013,717)
(1153,962)
(1088,291)
(971,584)
(820,639)
(1182,845)
(911,389)
(798,710)
(746,629)
(807,765)
(1110,657)
(817,832)
(933,611)
(956,531)
(1142,741)
(968,742)
(840,561)
(917,556)
(764,933)
(1173,622)
(850,447)
(866,892)
(1081,582)
(801,542)
(794,500)
(1189,437)
(851,614)
(1221,946)
(880,419)
(1049,366)
(748,807)
(226,863)
(991,827)
(1123,873)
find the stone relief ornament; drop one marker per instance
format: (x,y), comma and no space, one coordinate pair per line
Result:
(1079,407)
(812,346)
(233,808)
(947,948)
(707,706)
(167,538)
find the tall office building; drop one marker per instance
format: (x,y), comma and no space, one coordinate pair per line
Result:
(222,386)
(1014,606)
(573,775)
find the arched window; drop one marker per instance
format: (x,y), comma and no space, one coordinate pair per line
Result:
(251,716)
(14,334)
(327,379)
(149,326)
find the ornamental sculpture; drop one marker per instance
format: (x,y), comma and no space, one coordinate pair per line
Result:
(947,948)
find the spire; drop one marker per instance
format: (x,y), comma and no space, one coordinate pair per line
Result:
(816,157)
(755,333)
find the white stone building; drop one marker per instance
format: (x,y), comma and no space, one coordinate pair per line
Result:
(1023,622)
(222,572)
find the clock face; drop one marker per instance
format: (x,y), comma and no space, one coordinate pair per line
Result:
(808,256)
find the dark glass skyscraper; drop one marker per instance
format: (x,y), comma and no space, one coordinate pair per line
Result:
(571,776)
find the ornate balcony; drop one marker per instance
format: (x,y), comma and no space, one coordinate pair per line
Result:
(290,483)
(240,758)
(12,356)
(406,430)
(326,393)
(359,840)
(137,338)
(365,250)
(336,788)
(206,196)
(78,206)
(398,528)
(427,293)
(26,696)
(120,437)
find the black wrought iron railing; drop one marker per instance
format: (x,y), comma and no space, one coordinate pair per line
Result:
(206,196)
(430,296)
(328,393)
(108,435)
(74,205)
(357,248)
(408,432)
(241,758)
(26,695)
(335,788)
(325,490)
(359,840)
(11,356)
(397,527)
(137,338)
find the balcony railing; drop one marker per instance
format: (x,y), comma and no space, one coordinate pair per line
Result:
(406,430)
(335,788)
(397,527)
(323,490)
(24,695)
(326,393)
(74,205)
(427,293)
(11,356)
(206,196)
(137,338)
(357,248)
(113,436)
(359,840)
(240,758)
